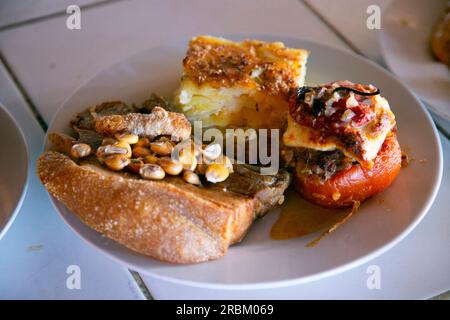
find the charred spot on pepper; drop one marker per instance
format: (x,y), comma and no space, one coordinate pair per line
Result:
(317,107)
(361,93)
(301,92)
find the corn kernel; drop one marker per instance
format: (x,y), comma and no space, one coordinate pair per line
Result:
(141,152)
(152,172)
(117,162)
(127,138)
(170,167)
(143,142)
(135,165)
(191,177)
(216,172)
(163,148)
(80,150)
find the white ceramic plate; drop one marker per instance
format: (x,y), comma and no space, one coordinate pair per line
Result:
(258,261)
(13,169)
(405,45)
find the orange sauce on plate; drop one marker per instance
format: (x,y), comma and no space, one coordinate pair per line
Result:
(299,218)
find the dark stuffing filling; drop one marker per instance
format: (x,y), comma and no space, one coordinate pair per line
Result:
(324,164)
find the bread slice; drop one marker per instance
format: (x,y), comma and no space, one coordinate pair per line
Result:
(239,84)
(169,220)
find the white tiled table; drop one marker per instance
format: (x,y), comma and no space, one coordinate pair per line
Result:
(48,62)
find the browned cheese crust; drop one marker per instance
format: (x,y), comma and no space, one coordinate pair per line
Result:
(222,63)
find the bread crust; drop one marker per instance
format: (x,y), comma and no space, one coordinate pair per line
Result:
(169,220)
(355,183)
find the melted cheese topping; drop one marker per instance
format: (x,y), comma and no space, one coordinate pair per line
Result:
(368,139)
